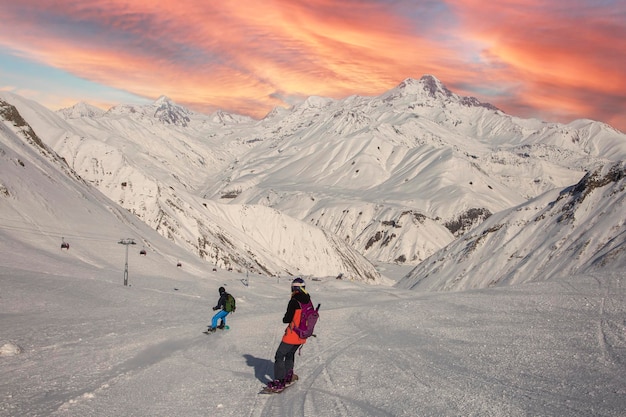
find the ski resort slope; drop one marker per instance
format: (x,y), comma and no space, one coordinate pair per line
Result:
(76,346)
(74,341)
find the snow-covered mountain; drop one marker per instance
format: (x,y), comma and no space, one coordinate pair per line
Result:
(81,109)
(36,179)
(44,203)
(580,229)
(75,342)
(394,177)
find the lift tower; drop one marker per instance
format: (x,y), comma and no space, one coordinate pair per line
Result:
(126,242)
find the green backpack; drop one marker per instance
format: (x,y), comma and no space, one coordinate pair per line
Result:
(229,305)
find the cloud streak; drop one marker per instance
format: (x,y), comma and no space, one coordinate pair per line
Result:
(555,60)
(566,59)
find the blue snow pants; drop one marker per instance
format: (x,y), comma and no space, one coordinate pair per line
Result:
(220,315)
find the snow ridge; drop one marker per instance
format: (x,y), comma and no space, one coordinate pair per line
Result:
(395,177)
(579,229)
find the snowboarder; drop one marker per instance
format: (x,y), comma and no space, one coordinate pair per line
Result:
(222,313)
(285,354)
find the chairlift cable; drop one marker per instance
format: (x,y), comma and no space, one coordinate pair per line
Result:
(57,233)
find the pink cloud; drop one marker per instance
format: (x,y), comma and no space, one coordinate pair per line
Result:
(314,48)
(569,57)
(558,59)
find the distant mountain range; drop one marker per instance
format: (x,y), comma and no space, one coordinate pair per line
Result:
(337,186)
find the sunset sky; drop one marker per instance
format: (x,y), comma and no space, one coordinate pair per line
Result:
(555,60)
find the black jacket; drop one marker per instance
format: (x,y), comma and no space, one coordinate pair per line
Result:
(293,305)
(221,303)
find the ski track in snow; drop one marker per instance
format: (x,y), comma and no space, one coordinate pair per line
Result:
(610,332)
(295,404)
(87,346)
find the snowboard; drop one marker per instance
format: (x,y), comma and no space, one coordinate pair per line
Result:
(267,390)
(208,332)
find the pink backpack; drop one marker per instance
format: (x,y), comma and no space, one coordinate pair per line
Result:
(308,319)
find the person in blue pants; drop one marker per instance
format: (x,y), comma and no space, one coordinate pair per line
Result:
(221,314)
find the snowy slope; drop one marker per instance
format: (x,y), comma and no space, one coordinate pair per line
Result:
(227,237)
(75,342)
(43,203)
(580,229)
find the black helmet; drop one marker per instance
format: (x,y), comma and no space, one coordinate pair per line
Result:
(297,284)
(222,290)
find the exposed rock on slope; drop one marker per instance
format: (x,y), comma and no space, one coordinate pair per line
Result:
(581,228)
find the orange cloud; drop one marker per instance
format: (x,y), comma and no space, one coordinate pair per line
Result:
(195,52)
(528,57)
(569,57)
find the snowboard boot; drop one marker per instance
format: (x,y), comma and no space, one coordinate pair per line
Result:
(290,378)
(221,326)
(276,385)
(210,330)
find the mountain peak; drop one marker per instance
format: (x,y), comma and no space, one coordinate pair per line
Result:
(225,118)
(171,113)
(81,109)
(433,88)
(163,100)
(428,84)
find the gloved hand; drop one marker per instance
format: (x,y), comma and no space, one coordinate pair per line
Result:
(214,308)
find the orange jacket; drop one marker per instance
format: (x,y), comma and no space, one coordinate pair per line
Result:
(290,336)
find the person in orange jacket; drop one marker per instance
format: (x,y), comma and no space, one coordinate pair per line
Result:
(285,354)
